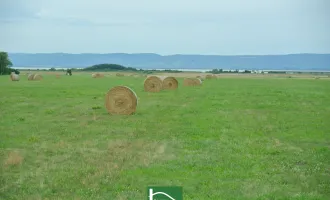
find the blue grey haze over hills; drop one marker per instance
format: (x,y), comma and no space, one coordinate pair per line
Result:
(155,61)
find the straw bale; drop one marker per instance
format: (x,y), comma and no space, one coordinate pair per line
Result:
(121,100)
(170,83)
(200,77)
(30,77)
(153,84)
(97,75)
(37,77)
(192,82)
(210,76)
(14,77)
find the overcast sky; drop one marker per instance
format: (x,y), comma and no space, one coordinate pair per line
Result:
(225,27)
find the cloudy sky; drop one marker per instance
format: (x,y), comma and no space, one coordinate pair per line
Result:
(226,27)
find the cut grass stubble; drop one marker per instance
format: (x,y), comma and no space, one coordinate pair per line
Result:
(229,139)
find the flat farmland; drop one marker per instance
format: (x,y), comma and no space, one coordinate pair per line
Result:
(234,137)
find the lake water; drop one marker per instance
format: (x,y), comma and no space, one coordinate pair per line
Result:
(47,68)
(185,70)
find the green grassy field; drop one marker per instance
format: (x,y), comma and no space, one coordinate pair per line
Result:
(232,138)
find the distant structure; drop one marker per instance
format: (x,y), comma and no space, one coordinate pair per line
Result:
(69,72)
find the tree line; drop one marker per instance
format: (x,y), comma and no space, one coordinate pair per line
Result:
(6,64)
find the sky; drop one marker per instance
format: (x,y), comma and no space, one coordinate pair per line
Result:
(209,27)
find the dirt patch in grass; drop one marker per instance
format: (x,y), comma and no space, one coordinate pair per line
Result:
(137,152)
(121,155)
(14,158)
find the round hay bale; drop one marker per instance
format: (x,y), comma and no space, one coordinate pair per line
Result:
(14,77)
(192,82)
(97,75)
(200,77)
(58,76)
(170,83)
(37,77)
(30,77)
(119,74)
(121,100)
(210,76)
(153,84)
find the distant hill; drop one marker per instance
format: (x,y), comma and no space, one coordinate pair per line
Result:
(108,67)
(155,61)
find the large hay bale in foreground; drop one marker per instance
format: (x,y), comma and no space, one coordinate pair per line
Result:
(37,77)
(14,77)
(97,75)
(153,84)
(121,100)
(170,83)
(30,77)
(192,82)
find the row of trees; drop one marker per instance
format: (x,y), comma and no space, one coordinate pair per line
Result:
(5,64)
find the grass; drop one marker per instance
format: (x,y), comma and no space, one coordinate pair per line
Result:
(232,138)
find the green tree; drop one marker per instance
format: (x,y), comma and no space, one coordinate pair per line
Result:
(5,64)
(69,71)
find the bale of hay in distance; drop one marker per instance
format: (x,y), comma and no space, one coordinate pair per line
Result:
(14,77)
(97,75)
(210,76)
(120,74)
(200,77)
(37,77)
(30,77)
(192,82)
(170,83)
(153,84)
(121,100)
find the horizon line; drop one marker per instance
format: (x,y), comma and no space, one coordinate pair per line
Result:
(177,54)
